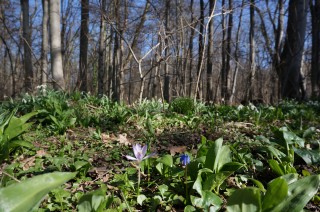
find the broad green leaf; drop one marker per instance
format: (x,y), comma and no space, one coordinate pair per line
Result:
(231,167)
(217,156)
(246,199)
(290,178)
(163,189)
(309,156)
(166,160)
(258,184)
(189,208)
(95,201)
(141,198)
(309,132)
(25,195)
(198,184)
(292,138)
(210,198)
(213,181)
(299,194)
(276,192)
(276,167)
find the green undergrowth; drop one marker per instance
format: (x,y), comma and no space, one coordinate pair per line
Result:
(206,157)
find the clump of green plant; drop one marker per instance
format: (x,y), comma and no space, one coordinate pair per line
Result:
(182,105)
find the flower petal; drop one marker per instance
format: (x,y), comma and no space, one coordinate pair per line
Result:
(136,150)
(150,155)
(130,157)
(144,150)
(185,159)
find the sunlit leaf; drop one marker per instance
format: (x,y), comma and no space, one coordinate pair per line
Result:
(25,195)
(276,192)
(246,199)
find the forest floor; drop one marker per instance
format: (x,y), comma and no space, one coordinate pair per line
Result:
(204,157)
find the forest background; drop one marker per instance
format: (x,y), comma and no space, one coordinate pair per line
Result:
(226,51)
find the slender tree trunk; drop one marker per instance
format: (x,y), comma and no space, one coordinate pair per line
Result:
(190,50)
(209,93)
(28,72)
(101,60)
(45,42)
(84,41)
(55,43)
(291,80)
(236,58)
(166,88)
(315,58)
(200,43)
(250,89)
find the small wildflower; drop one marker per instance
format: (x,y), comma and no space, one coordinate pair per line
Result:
(139,153)
(185,159)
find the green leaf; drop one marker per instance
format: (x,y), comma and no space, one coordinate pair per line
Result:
(95,201)
(309,156)
(276,193)
(299,194)
(141,198)
(213,181)
(217,156)
(166,160)
(163,189)
(258,184)
(309,132)
(25,195)
(276,167)
(246,199)
(189,208)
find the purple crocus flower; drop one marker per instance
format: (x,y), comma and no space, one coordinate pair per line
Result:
(185,159)
(139,153)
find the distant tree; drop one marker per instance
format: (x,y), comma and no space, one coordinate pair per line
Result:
(102,38)
(291,81)
(27,60)
(315,58)
(45,40)
(55,43)
(84,42)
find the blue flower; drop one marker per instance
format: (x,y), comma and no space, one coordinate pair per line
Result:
(185,159)
(139,153)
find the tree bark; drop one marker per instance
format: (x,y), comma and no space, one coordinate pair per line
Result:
(252,55)
(315,55)
(101,60)
(209,93)
(55,42)
(45,42)
(166,87)
(28,72)
(84,41)
(291,81)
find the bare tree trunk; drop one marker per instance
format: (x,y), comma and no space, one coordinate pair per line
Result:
(236,58)
(200,43)
(250,89)
(84,41)
(315,58)
(101,61)
(291,80)
(55,42)
(45,42)
(190,50)
(166,87)
(209,94)
(28,72)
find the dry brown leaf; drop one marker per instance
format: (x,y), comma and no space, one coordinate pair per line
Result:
(177,149)
(122,138)
(28,162)
(41,153)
